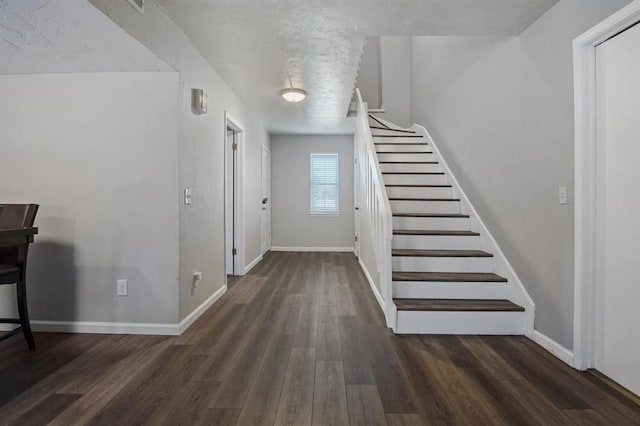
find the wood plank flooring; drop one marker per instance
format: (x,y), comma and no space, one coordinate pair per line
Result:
(298,341)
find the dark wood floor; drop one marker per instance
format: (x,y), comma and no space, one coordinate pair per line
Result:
(300,340)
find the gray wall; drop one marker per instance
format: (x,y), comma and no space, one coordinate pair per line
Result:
(99,153)
(501,111)
(292,226)
(369,73)
(201,152)
(395,54)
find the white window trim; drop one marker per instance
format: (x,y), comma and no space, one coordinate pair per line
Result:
(317,213)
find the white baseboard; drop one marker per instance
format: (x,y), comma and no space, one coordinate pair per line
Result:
(318,249)
(250,266)
(555,348)
(372,284)
(8,327)
(195,314)
(157,329)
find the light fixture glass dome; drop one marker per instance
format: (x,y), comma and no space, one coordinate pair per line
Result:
(293,95)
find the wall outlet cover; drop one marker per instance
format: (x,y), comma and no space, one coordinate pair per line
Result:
(122,288)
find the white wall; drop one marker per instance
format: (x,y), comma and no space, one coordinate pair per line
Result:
(501,110)
(292,225)
(201,152)
(99,153)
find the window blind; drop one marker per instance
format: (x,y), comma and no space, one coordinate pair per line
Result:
(324,183)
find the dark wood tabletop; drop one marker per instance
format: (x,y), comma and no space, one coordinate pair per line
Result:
(17,237)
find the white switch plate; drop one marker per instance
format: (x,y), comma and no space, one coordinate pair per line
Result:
(562,195)
(187,196)
(197,277)
(122,288)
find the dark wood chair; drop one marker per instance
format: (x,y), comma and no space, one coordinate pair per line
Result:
(13,264)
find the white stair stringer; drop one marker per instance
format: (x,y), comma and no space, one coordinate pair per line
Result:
(427,222)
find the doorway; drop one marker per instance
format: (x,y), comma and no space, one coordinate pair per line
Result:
(617,239)
(233,197)
(607,234)
(266,199)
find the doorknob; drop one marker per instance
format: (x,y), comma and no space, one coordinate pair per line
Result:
(264,200)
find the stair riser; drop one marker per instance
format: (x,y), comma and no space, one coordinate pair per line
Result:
(439,242)
(449,290)
(406,157)
(415,179)
(408,167)
(442,223)
(401,206)
(395,138)
(424,192)
(442,264)
(398,147)
(430,322)
(386,131)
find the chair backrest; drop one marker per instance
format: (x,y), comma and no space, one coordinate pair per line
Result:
(16,216)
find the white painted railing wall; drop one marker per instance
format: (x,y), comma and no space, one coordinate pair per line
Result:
(375,213)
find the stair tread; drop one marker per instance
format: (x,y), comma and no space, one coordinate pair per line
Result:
(397,136)
(439,253)
(447,276)
(413,173)
(408,162)
(390,129)
(457,215)
(401,143)
(422,199)
(401,185)
(467,305)
(435,232)
(404,152)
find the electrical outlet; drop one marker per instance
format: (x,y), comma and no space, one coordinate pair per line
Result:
(187,196)
(123,288)
(562,195)
(197,277)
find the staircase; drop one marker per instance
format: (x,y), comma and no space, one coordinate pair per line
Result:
(448,274)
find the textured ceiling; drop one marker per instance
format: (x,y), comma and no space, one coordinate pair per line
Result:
(56,36)
(256,45)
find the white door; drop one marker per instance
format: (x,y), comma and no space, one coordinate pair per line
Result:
(618,210)
(266,200)
(230,201)
(356,199)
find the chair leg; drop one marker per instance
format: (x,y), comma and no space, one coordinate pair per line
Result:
(24,312)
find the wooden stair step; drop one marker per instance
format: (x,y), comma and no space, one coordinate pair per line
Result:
(393,130)
(465,305)
(448,277)
(408,162)
(397,136)
(455,215)
(423,199)
(435,232)
(404,152)
(439,253)
(411,185)
(413,173)
(400,143)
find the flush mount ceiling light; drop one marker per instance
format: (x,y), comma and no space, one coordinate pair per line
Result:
(293,95)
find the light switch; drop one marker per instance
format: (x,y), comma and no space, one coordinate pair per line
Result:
(562,195)
(187,196)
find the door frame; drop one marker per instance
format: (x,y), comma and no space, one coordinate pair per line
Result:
(238,222)
(584,71)
(263,251)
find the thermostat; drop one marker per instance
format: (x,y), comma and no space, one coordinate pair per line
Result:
(199,101)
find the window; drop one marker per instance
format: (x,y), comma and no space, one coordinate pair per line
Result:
(324,184)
